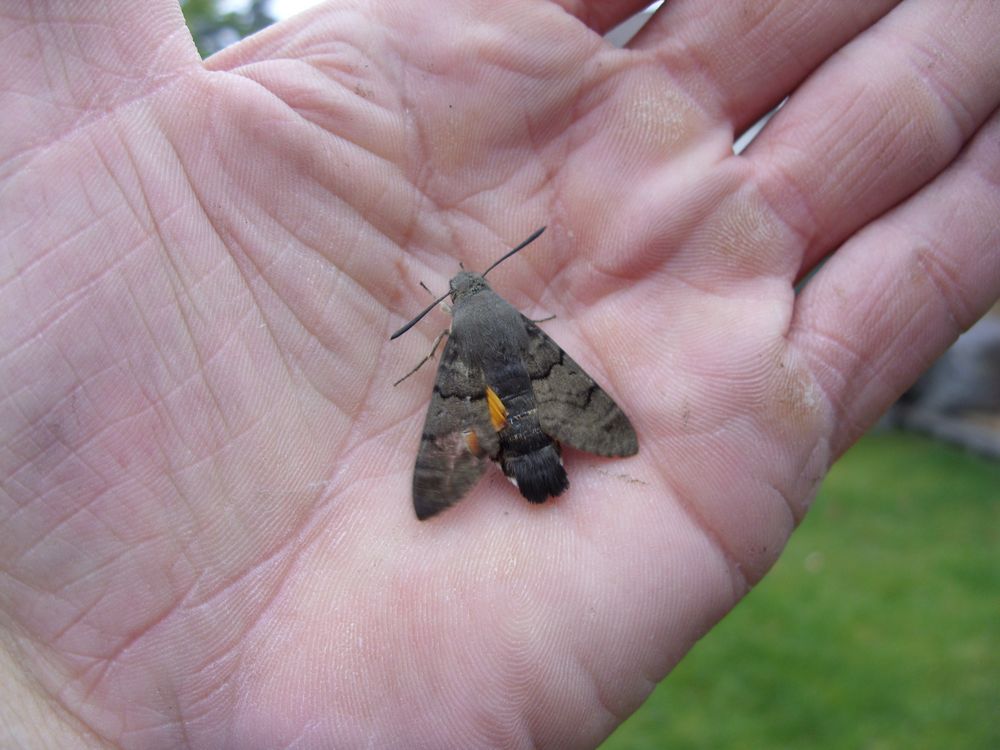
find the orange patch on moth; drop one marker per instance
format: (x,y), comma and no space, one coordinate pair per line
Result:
(498,412)
(472,442)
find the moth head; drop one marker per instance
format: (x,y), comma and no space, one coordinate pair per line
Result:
(465,284)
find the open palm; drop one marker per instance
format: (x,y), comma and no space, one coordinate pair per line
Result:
(206,533)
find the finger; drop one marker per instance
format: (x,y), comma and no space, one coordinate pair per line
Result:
(603,15)
(896,296)
(741,59)
(67,63)
(879,121)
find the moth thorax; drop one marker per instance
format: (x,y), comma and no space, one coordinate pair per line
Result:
(465,284)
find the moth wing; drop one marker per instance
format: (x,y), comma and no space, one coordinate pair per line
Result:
(458,438)
(572,408)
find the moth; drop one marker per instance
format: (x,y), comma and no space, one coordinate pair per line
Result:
(506,392)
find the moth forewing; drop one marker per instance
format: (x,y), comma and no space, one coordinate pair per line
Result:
(572,407)
(457,439)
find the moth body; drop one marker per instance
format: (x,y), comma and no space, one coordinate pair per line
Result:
(491,341)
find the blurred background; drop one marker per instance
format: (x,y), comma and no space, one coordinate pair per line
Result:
(879,627)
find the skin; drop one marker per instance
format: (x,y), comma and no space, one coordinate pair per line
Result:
(206,537)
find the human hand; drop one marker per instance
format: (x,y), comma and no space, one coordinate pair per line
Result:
(207,537)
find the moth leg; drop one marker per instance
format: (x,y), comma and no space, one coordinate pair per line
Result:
(543,320)
(437,342)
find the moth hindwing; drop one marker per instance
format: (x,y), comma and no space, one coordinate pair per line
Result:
(507,392)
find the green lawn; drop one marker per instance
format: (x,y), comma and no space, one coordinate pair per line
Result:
(878,628)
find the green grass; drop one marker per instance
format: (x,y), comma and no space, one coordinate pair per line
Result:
(879,628)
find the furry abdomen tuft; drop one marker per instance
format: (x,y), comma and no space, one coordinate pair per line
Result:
(539,474)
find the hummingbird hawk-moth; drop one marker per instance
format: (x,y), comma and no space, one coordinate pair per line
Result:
(506,392)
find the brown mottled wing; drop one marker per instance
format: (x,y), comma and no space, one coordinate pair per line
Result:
(447,467)
(572,408)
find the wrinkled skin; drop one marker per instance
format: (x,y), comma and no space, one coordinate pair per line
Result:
(206,537)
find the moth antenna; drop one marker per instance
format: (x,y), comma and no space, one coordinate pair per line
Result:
(426,288)
(416,320)
(534,236)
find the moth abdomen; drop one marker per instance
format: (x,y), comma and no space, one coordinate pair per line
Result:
(527,455)
(539,474)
